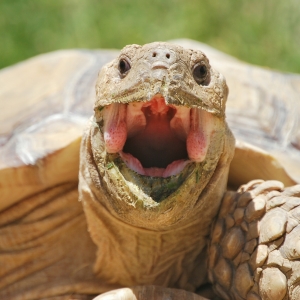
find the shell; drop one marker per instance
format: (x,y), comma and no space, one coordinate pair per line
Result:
(48,95)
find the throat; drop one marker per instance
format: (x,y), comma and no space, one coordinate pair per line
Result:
(164,260)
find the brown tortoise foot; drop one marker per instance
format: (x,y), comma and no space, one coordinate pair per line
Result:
(255,246)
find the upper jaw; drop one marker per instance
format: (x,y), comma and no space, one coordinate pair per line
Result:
(175,82)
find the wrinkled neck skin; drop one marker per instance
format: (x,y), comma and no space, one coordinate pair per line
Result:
(146,234)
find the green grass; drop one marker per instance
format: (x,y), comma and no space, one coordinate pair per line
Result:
(263,32)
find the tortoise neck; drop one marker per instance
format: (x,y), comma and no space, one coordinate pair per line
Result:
(128,255)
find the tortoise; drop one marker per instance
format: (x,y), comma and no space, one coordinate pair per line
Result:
(170,206)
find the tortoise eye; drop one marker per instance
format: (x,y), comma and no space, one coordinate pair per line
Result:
(200,73)
(124,66)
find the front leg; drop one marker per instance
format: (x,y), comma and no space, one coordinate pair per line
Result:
(255,243)
(149,292)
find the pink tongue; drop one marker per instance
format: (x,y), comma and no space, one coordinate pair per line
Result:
(199,135)
(115,131)
(132,163)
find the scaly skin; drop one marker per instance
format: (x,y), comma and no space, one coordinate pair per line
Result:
(254,251)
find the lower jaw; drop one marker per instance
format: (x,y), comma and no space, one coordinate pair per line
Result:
(172,169)
(157,188)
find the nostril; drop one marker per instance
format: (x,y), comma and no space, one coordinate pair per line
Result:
(154,54)
(168,55)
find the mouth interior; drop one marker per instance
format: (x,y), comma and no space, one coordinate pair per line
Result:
(157,145)
(156,139)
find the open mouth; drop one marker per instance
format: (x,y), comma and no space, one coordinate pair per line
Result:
(155,139)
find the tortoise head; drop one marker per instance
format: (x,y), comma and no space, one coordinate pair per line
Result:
(159,140)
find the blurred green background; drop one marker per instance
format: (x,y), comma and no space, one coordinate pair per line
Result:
(263,32)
